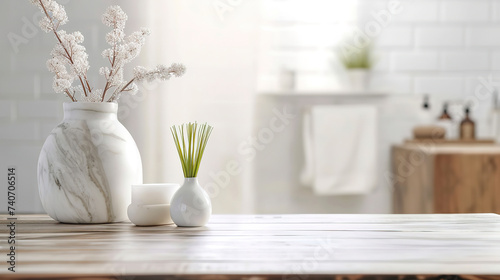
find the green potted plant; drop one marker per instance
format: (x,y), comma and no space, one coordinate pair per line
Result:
(357,61)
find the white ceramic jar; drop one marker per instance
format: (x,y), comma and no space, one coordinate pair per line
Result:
(151,204)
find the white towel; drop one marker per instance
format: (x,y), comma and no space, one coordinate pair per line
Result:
(340,145)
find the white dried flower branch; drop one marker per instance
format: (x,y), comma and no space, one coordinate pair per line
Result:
(66,52)
(69,59)
(160,72)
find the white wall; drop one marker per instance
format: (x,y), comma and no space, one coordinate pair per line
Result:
(439,47)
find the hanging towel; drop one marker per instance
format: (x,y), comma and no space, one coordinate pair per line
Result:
(340,149)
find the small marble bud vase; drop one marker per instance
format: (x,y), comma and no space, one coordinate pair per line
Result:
(191,206)
(151,204)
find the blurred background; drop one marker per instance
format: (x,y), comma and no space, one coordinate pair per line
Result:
(308,98)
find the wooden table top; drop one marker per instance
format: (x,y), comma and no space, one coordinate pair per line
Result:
(271,246)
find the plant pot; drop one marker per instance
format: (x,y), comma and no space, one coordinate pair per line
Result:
(191,206)
(359,78)
(87,166)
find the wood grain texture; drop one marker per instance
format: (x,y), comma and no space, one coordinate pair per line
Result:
(467,183)
(430,178)
(413,170)
(268,246)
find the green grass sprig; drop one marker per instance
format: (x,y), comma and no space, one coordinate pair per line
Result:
(356,58)
(191,140)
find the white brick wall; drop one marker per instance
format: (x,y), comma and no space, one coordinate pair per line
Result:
(415,61)
(39,109)
(5,107)
(24,157)
(19,130)
(484,36)
(439,36)
(496,10)
(17,85)
(449,39)
(417,11)
(495,61)
(395,83)
(440,85)
(396,36)
(466,11)
(466,61)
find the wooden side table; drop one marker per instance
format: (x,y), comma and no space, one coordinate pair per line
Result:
(443,178)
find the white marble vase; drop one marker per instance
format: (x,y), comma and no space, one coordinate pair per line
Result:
(87,166)
(191,206)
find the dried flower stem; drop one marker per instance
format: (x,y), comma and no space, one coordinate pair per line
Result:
(70,96)
(125,86)
(69,59)
(111,73)
(69,56)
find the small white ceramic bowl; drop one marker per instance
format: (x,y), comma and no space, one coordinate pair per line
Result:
(147,194)
(151,204)
(149,215)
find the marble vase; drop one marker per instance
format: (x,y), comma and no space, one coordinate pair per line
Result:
(87,166)
(191,206)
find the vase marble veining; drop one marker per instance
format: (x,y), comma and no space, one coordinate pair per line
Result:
(87,166)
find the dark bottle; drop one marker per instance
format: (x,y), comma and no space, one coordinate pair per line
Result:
(426,104)
(445,115)
(467,127)
(425,115)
